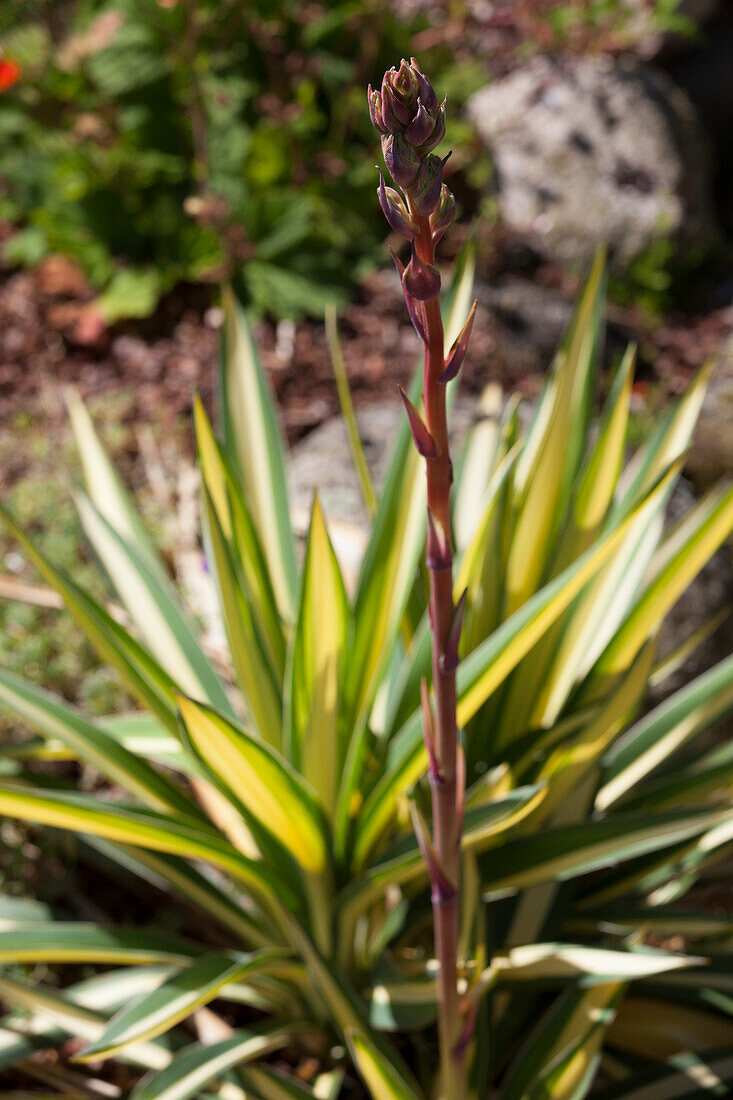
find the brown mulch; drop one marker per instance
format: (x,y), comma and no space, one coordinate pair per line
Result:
(50,336)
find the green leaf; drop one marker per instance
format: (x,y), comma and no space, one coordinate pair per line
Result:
(476,466)
(347,411)
(487,667)
(253,670)
(154,608)
(73,1018)
(603,468)
(179,996)
(574,850)
(555,456)
(566,1037)
(268,1084)
(77,941)
(347,1008)
(173,875)
(689,1076)
(105,487)
(145,829)
(242,540)
(554,962)
(197,1065)
(317,744)
(132,292)
(403,1004)
(255,446)
(145,678)
(714,523)
(381,1077)
(54,718)
(483,671)
(667,1028)
(404,863)
(265,784)
(664,730)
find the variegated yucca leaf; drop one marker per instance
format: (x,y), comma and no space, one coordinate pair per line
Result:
(266,796)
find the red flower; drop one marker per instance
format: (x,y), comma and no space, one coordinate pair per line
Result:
(9,74)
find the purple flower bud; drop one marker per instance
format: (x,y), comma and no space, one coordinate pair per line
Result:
(427,187)
(394,113)
(395,211)
(402,160)
(421,280)
(443,214)
(438,133)
(375,109)
(425,88)
(414,308)
(404,82)
(421,126)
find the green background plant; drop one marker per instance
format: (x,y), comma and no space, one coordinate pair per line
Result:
(158,144)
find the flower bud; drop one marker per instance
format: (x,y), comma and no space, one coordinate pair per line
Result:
(375,109)
(394,113)
(438,133)
(421,280)
(404,82)
(404,91)
(443,214)
(414,308)
(428,185)
(395,211)
(425,88)
(421,126)
(402,160)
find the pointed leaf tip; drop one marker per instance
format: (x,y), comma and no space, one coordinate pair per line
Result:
(457,354)
(442,885)
(424,441)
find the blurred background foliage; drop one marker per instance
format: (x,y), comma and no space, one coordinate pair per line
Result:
(156,142)
(160,141)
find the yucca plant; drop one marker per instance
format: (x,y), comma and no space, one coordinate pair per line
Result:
(275,796)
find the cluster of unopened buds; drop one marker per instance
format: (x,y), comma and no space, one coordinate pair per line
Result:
(412,123)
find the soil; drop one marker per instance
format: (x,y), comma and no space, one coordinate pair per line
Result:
(51,335)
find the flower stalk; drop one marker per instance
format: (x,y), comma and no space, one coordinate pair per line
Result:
(411,123)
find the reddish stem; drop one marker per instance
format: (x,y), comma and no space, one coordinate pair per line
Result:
(446,798)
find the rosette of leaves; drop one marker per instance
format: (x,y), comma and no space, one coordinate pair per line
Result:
(268,792)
